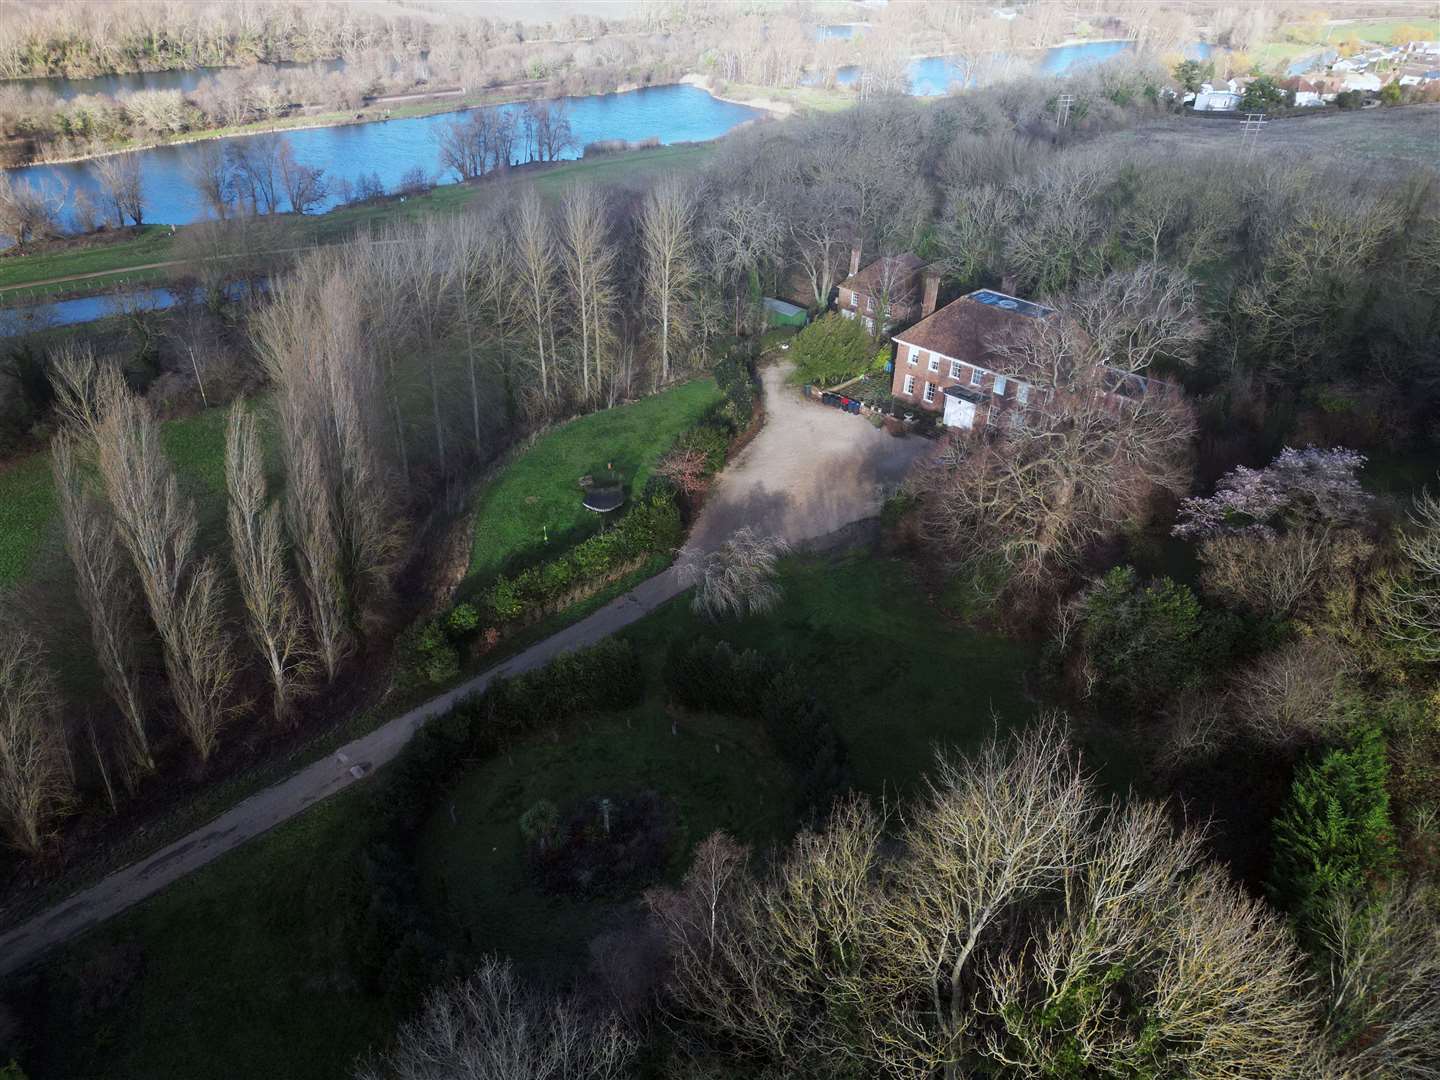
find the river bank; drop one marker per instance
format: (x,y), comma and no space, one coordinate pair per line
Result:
(396,107)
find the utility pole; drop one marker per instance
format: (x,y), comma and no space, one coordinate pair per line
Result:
(1250,131)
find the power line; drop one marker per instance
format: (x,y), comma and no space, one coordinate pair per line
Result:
(1250,131)
(1062,108)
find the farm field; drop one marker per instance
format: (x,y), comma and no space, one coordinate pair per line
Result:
(1397,137)
(533,504)
(266,931)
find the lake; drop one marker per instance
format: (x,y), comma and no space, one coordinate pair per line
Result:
(932,76)
(390,148)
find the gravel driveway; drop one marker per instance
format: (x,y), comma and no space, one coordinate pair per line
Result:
(810,471)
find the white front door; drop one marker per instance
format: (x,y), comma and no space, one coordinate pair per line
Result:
(959,413)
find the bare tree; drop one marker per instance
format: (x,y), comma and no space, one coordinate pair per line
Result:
(27,211)
(533,252)
(1137,317)
(589,260)
(304,185)
(738,577)
(820,229)
(255,170)
(120,185)
(1409,606)
(158,527)
(258,544)
(106,591)
(1019,925)
(1288,696)
(312,341)
(1383,1016)
(667,262)
(208,170)
(488,1027)
(1279,574)
(37,781)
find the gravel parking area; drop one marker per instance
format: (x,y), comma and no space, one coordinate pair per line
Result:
(810,471)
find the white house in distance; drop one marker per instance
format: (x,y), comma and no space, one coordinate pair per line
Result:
(1225,98)
(1363,81)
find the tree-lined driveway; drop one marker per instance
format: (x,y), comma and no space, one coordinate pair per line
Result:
(810,471)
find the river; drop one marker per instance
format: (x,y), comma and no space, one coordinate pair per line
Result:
(390,148)
(932,76)
(185,80)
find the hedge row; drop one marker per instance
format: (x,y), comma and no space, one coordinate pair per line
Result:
(651,526)
(710,676)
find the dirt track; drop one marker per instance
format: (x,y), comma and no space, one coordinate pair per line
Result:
(810,471)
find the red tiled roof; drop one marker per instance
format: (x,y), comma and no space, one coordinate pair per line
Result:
(964,329)
(867,281)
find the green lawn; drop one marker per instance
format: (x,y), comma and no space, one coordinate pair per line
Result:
(898,676)
(240,970)
(533,505)
(713,772)
(27,491)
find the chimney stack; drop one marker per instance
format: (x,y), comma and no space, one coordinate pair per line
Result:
(855,260)
(1007,284)
(932,293)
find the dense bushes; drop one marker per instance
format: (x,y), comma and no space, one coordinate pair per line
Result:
(1140,645)
(831,350)
(1334,839)
(651,526)
(709,676)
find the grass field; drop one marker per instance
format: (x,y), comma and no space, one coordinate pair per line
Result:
(243,968)
(533,505)
(28,510)
(154,243)
(897,676)
(240,970)
(1384,139)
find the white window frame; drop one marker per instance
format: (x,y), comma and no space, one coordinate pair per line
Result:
(934,363)
(847,313)
(913,356)
(870,304)
(1022,393)
(929,392)
(955,370)
(909,390)
(869,322)
(976,376)
(854,299)
(999,386)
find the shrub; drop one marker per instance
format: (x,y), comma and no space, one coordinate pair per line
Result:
(605,677)
(831,350)
(425,655)
(1334,836)
(711,440)
(1145,644)
(738,578)
(737,383)
(463,619)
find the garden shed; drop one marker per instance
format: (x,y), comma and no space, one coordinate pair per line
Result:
(779,313)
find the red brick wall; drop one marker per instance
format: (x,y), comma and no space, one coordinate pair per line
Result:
(941,379)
